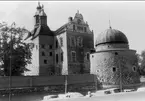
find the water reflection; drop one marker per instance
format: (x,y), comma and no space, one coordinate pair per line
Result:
(25,97)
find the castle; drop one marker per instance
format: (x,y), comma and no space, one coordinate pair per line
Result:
(64,51)
(67,51)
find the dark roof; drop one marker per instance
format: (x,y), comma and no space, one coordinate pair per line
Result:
(111,36)
(61,29)
(40,30)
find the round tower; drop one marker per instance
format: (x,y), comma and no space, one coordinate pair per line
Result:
(113,63)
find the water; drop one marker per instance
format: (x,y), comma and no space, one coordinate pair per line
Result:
(25,97)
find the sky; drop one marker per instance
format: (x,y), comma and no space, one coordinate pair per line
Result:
(128,17)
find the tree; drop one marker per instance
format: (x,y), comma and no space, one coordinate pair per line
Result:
(141,61)
(14,52)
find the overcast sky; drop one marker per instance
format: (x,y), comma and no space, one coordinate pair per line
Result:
(128,17)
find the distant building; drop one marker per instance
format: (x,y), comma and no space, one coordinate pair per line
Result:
(113,63)
(64,51)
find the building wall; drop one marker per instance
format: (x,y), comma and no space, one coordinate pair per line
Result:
(46,62)
(62,65)
(114,65)
(82,64)
(34,66)
(111,46)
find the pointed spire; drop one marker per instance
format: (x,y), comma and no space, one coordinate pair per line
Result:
(109,22)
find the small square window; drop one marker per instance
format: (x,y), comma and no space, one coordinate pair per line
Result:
(116,53)
(43,46)
(50,53)
(43,54)
(50,46)
(114,69)
(45,61)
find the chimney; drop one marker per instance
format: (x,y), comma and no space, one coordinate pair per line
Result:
(70,19)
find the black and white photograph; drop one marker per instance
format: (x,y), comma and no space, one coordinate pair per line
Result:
(72,50)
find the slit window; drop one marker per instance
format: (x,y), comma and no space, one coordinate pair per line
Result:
(88,56)
(114,69)
(134,68)
(56,43)
(62,56)
(56,58)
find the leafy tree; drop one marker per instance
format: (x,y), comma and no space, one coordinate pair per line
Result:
(15,54)
(141,61)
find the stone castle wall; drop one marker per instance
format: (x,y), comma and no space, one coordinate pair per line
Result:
(112,66)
